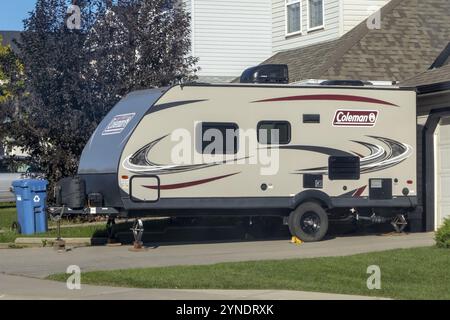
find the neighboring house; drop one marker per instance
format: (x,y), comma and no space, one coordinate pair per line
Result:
(229,36)
(299,23)
(411,35)
(433,117)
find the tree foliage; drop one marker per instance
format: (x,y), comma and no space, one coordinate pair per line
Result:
(11,87)
(74,76)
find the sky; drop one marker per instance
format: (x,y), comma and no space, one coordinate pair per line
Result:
(12,13)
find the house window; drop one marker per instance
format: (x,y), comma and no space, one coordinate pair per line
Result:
(293,17)
(219,138)
(274,132)
(315,14)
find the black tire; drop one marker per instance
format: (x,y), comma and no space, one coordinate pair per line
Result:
(308,222)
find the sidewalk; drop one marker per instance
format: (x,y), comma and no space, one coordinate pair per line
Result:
(15,288)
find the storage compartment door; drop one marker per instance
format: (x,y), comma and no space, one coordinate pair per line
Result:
(144,188)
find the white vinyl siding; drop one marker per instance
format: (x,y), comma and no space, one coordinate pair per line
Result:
(339,17)
(356,11)
(282,41)
(230,35)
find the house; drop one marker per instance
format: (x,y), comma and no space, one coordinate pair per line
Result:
(229,36)
(299,23)
(433,89)
(410,48)
(411,35)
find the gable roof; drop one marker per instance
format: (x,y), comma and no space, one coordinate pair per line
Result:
(8,37)
(443,59)
(412,34)
(433,76)
(436,78)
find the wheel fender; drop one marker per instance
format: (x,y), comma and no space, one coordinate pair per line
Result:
(311,195)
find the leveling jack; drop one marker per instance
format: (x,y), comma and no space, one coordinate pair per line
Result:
(138,232)
(399,223)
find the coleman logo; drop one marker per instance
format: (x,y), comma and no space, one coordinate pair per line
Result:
(118,124)
(355,118)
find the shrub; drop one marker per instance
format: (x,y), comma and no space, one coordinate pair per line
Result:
(443,235)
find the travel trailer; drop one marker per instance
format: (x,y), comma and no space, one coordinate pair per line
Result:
(312,154)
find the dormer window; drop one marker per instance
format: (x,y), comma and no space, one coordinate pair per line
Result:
(315,14)
(293,17)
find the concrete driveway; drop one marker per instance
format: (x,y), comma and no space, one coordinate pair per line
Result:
(41,262)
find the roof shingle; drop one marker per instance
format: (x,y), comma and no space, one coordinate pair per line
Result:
(438,75)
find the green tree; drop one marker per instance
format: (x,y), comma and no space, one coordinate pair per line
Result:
(11,88)
(74,76)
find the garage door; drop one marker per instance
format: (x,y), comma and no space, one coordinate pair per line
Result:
(442,171)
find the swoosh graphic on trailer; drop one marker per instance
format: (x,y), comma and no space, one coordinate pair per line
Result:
(323,150)
(190,183)
(359,192)
(355,192)
(138,162)
(377,160)
(169,105)
(330,97)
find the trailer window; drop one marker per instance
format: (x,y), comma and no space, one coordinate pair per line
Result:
(219,138)
(274,132)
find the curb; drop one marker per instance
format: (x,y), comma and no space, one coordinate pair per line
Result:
(6,245)
(48,242)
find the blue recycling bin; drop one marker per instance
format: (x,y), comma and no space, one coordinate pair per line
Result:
(31,195)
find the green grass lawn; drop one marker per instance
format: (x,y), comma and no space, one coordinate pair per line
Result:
(419,273)
(8,215)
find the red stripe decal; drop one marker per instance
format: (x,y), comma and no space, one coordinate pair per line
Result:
(188,184)
(359,192)
(335,97)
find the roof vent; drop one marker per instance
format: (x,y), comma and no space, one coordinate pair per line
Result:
(356,83)
(266,73)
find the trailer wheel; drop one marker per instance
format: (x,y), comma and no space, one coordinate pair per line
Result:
(309,222)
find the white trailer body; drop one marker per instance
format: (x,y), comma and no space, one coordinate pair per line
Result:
(338,147)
